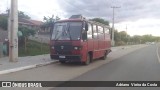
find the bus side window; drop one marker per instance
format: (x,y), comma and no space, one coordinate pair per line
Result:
(95,34)
(89,32)
(100,29)
(100,33)
(106,30)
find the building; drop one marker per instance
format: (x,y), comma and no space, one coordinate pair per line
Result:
(33,24)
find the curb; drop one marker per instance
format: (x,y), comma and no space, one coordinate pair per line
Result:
(26,67)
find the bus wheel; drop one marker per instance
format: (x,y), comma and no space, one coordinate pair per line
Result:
(51,57)
(62,62)
(105,56)
(87,62)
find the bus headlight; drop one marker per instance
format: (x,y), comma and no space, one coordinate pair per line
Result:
(76,48)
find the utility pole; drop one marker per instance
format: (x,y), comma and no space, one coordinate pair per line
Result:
(126,30)
(113,42)
(126,34)
(12,31)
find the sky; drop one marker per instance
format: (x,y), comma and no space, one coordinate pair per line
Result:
(140,17)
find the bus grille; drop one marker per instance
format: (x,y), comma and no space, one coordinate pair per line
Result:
(64,52)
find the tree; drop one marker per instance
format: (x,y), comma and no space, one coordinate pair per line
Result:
(49,21)
(26,32)
(100,20)
(136,39)
(4,19)
(23,15)
(3,22)
(123,36)
(147,38)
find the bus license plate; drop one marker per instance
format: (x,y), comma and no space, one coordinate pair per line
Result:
(62,57)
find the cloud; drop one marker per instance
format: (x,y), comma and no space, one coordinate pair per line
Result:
(141,27)
(34,8)
(141,16)
(4,5)
(130,9)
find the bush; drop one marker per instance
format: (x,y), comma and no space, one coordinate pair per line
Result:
(3,22)
(120,43)
(34,48)
(26,32)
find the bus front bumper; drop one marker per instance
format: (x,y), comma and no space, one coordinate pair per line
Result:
(71,58)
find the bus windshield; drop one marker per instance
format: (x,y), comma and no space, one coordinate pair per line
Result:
(67,31)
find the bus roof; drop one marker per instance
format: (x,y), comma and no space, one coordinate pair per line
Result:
(80,20)
(70,20)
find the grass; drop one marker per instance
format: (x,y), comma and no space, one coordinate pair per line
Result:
(34,48)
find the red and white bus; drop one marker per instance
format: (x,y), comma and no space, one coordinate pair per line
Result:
(79,40)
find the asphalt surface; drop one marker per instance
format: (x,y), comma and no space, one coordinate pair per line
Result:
(65,72)
(140,65)
(131,64)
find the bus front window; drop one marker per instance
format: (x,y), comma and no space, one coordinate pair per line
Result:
(67,31)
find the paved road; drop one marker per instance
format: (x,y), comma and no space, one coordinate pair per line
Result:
(135,63)
(141,65)
(63,72)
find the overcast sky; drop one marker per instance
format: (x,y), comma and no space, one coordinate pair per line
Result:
(140,16)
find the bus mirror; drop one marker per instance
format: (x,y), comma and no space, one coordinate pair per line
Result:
(110,31)
(84,35)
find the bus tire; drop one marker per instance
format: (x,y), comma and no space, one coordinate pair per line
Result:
(105,56)
(87,62)
(62,62)
(51,57)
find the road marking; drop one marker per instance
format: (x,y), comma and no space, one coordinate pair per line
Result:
(158,54)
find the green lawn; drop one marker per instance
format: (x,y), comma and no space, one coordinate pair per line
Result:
(34,48)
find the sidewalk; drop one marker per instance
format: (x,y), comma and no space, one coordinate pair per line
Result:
(124,47)
(24,63)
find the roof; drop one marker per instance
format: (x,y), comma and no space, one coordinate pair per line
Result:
(70,20)
(36,22)
(30,22)
(78,20)
(26,21)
